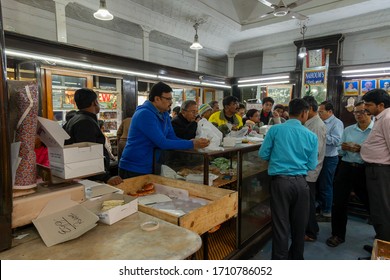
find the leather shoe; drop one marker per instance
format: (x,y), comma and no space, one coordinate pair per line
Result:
(323,219)
(334,241)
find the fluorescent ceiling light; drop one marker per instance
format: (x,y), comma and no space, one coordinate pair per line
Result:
(103,13)
(366,70)
(366,75)
(264,84)
(215,85)
(178,80)
(122,71)
(264,79)
(66,62)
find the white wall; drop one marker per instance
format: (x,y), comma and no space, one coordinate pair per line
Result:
(28,20)
(31,21)
(366,47)
(277,60)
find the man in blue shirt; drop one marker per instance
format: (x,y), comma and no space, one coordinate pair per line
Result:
(151,128)
(334,131)
(351,173)
(291,150)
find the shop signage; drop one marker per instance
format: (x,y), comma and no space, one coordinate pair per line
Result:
(314,77)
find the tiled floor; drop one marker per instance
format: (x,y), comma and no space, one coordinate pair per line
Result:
(359,233)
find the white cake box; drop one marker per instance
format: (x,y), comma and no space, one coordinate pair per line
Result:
(70,161)
(115,214)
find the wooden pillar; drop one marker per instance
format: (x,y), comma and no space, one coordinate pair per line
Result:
(333,44)
(5,154)
(129,96)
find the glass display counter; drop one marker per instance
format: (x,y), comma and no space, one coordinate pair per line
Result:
(237,168)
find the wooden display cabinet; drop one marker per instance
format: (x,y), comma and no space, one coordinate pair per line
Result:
(221,206)
(243,170)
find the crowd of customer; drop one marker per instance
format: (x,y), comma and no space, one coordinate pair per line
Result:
(303,148)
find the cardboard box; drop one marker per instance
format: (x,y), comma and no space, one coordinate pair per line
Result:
(380,250)
(95,189)
(222,206)
(62,220)
(70,161)
(114,214)
(26,208)
(77,169)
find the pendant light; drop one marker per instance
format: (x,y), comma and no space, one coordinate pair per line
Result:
(103,13)
(302,50)
(196,45)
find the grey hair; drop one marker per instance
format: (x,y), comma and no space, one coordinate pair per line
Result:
(186,104)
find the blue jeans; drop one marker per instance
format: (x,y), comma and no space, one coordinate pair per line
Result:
(325,184)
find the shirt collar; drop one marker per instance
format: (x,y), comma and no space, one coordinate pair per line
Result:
(94,116)
(328,120)
(369,127)
(294,121)
(382,113)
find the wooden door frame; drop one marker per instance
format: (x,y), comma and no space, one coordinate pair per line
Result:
(47,102)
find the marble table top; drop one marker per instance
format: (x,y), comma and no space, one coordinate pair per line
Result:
(124,240)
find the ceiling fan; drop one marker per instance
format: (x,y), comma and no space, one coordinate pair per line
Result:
(282,9)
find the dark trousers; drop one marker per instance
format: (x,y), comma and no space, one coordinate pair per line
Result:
(350,177)
(312,226)
(128,174)
(290,201)
(378,187)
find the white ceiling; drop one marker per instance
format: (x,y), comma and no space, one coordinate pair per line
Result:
(232,26)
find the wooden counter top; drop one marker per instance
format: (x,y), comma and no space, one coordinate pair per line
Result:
(124,240)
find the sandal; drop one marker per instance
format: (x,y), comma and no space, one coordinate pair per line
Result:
(334,241)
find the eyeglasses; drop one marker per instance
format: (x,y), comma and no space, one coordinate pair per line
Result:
(167,98)
(192,112)
(362,112)
(321,112)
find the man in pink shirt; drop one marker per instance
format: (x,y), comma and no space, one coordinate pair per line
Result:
(375,151)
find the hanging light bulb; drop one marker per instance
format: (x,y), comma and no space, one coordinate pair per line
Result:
(302,50)
(103,13)
(196,45)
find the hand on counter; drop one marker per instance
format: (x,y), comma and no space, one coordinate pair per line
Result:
(200,143)
(115,180)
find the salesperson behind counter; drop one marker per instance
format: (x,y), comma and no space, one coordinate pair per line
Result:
(151,128)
